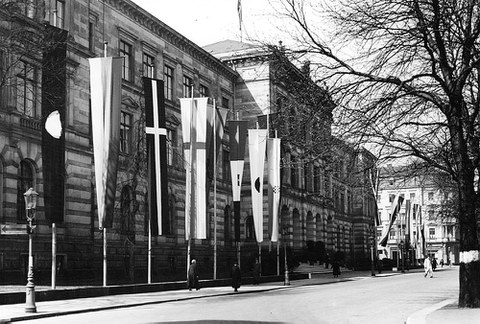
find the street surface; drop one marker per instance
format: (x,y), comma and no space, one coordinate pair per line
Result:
(386,298)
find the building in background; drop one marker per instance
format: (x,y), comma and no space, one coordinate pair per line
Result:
(325,208)
(426,223)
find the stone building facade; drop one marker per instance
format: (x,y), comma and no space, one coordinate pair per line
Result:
(336,216)
(435,217)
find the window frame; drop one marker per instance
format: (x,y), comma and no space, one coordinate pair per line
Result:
(125,128)
(148,65)
(27,85)
(127,64)
(168,81)
(59,17)
(204,91)
(187,86)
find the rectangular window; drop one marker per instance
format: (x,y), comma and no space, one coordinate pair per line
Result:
(326,185)
(203,91)
(168,82)
(391,198)
(59,14)
(125,51)
(293,172)
(431,232)
(226,173)
(125,133)
(187,87)
(430,196)
(392,233)
(91,36)
(316,179)
(412,196)
(26,91)
(171,145)
(225,102)
(148,66)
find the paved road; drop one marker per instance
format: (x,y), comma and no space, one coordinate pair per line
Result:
(381,299)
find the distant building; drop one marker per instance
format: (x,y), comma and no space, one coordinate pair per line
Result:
(432,227)
(325,207)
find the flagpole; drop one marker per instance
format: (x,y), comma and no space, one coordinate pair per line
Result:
(214,190)
(54,255)
(150,247)
(190,158)
(105,47)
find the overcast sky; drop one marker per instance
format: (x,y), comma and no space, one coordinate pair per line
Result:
(209,21)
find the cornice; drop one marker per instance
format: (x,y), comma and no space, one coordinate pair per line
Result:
(157,27)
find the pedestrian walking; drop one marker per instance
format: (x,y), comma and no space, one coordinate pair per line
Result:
(336,269)
(434,264)
(236,277)
(427,265)
(192,279)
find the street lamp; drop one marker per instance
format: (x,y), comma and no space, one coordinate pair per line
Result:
(284,235)
(30,206)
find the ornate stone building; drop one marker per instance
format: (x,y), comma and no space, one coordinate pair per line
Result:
(322,206)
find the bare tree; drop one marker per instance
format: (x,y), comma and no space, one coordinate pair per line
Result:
(410,86)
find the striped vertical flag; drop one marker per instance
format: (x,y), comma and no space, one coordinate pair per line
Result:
(105,92)
(397,204)
(257,143)
(238,139)
(156,134)
(273,154)
(194,130)
(220,121)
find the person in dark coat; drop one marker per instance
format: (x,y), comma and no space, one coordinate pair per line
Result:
(336,269)
(256,272)
(236,277)
(192,279)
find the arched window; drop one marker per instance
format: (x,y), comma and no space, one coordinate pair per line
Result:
(249,229)
(25,181)
(228,222)
(127,221)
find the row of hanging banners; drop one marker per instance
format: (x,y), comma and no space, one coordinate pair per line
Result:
(202,129)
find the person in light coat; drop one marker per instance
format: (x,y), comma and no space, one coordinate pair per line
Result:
(427,265)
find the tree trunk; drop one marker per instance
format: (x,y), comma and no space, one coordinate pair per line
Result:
(469,295)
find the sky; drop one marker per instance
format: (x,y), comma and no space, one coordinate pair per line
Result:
(208,21)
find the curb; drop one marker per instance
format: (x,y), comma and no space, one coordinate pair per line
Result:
(134,304)
(420,317)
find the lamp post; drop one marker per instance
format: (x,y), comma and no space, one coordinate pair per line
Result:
(284,235)
(30,206)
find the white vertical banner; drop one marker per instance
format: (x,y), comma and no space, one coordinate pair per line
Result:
(257,144)
(194,130)
(105,92)
(273,153)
